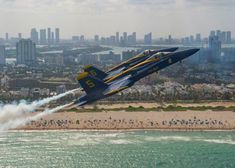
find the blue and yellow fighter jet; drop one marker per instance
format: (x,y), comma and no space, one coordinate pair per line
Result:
(93,71)
(97,89)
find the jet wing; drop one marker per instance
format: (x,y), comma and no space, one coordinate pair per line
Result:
(80,103)
(115,72)
(118,86)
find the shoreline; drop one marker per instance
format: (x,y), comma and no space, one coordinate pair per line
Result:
(121,130)
(127,121)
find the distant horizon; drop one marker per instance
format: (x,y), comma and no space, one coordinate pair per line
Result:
(179,18)
(139,37)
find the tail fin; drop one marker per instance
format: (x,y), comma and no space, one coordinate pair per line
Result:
(90,83)
(93,71)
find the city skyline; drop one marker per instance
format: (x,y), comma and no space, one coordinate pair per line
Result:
(161,17)
(40,35)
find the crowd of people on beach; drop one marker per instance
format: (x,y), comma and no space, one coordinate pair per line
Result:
(113,123)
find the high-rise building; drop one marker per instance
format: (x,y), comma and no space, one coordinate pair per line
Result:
(148,38)
(215,47)
(212,33)
(218,33)
(57,35)
(198,37)
(228,37)
(169,39)
(102,40)
(112,40)
(223,37)
(2,55)
(82,38)
(117,38)
(191,39)
(130,39)
(96,38)
(186,40)
(19,36)
(6,37)
(43,36)
(134,38)
(125,37)
(26,52)
(34,35)
(49,36)
(75,38)
(52,38)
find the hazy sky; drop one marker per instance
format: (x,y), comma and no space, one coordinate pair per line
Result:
(105,17)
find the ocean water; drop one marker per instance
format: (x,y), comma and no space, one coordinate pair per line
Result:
(138,149)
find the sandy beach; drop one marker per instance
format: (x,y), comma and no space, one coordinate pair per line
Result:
(156,105)
(188,120)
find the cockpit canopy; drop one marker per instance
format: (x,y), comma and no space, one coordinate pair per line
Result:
(158,55)
(146,52)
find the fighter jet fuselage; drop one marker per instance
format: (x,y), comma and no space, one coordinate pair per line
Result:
(124,65)
(97,89)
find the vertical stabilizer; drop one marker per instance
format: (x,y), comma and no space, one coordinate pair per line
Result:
(90,83)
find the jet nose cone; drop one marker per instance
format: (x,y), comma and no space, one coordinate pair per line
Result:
(193,51)
(189,52)
(185,53)
(173,49)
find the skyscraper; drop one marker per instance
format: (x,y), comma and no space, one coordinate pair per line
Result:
(117,38)
(134,38)
(19,36)
(75,39)
(112,40)
(49,36)
(43,37)
(215,47)
(191,39)
(2,55)
(96,38)
(26,52)
(218,34)
(6,38)
(212,33)
(34,35)
(82,39)
(148,38)
(57,35)
(228,37)
(169,39)
(125,38)
(198,37)
(223,37)
(52,38)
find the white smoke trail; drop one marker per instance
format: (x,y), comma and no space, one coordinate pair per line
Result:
(22,121)
(11,112)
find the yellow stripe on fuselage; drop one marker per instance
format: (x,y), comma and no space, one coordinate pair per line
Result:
(115,91)
(128,70)
(137,56)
